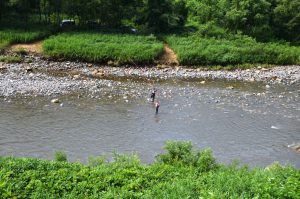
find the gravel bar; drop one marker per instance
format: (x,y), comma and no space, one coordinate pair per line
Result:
(38,76)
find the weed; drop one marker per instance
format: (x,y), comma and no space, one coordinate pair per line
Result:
(11,59)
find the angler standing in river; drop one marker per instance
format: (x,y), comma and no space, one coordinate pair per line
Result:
(156,107)
(152,96)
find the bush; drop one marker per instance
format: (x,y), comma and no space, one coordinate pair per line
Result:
(182,153)
(126,177)
(60,156)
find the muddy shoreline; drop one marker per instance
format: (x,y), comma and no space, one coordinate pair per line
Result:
(39,76)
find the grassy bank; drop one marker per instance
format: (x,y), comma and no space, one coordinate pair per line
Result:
(11,36)
(179,173)
(102,48)
(195,50)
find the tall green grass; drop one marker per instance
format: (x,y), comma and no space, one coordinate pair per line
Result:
(11,36)
(95,47)
(181,172)
(195,50)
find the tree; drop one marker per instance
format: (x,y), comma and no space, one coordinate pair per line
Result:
(287,19)
(3,8)
(164,15)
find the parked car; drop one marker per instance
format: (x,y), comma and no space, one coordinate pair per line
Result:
(67,23)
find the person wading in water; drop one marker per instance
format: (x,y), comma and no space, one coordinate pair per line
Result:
(156,107)
(152,96)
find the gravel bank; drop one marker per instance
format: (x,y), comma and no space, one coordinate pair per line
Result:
(34,78)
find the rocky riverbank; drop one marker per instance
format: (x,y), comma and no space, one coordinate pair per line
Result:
(38,76)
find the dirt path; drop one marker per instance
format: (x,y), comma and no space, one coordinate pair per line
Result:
(31,48)
(169,57)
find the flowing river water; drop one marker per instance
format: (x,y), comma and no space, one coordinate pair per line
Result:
(241,121)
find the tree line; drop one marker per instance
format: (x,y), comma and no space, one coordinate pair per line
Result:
(261,19)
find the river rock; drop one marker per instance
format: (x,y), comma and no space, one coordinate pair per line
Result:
(55,101)
(295,147)
(76,76)
(2,67)
(202,82)
(98,73)
(28,69)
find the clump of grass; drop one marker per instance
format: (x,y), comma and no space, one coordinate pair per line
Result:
(11,59)
(3,44)
(104,48)
(194,50)
(20,51)
(60,156)
(176,174)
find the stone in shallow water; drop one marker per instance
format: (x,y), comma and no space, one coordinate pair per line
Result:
(55,101)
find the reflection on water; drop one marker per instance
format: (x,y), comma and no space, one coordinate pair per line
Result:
(240,121)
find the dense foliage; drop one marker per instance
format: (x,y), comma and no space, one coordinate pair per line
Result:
(196,50)
(95,47)
(264,20)
(179,173)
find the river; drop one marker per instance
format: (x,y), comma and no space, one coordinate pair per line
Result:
(249,122)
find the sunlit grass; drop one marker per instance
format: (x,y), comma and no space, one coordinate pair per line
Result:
(195,50)
(102,48)
(11,36)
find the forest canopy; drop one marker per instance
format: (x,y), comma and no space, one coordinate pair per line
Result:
(265,20)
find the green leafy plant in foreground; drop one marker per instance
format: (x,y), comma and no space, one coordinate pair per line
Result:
(180,172)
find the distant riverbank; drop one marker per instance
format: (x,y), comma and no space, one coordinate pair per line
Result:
(39,76)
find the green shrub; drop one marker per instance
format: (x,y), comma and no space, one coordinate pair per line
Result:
(60,156)
(178,152)
(126,177)
(182,152)
(103,48)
